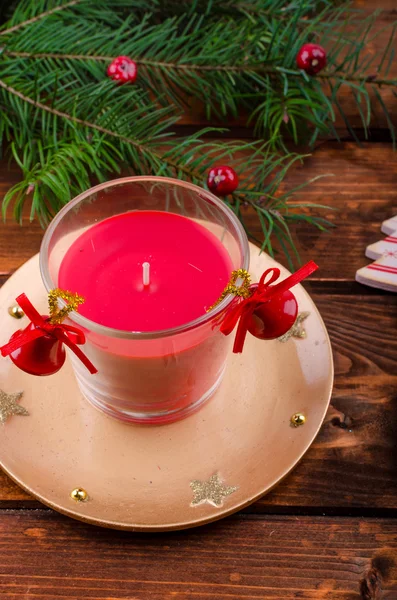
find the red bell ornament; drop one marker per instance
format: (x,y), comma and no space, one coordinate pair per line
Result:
(266,309)
(43,356)
(274,318)
(39,349)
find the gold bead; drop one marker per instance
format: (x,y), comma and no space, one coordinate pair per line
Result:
(16,312)
(79,495)
(298,419)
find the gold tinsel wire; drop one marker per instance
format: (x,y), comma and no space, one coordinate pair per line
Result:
(57,315)
(242,290)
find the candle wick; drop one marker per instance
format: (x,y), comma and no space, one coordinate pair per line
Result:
(146,273)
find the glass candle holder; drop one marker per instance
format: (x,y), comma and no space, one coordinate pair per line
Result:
(147,376)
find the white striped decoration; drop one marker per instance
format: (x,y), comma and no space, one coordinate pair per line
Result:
(383,272)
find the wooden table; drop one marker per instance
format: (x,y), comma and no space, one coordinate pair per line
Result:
(329,530)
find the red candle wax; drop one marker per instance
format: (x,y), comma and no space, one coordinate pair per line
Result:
(189,268)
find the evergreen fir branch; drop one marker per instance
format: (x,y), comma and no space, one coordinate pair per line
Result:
(252,9)
(42,15)
(248,68)
(58,175)
(69,117)
(238,65)
(54,170)
(65,121)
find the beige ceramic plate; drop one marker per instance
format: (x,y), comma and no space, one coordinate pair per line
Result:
(139,477)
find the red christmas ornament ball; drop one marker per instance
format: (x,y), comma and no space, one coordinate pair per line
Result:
(222,181)
(275,317)
(42,356)
(312,58)
(123,69)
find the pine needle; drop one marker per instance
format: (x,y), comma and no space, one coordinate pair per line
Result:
(66,123)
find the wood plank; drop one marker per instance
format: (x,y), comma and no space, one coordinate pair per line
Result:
(382,30)
(352,461)
(380,34)
(284,558)
(17,243)
(362,190)
(356,447)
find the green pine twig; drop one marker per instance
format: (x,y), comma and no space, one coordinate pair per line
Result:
(247,68)
(65,121)
(43,15)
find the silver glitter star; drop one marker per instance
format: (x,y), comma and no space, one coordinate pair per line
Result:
(212,491)
(297,330)
(9,406)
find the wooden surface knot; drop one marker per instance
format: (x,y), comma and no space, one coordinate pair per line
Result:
(372,582)
(371,585)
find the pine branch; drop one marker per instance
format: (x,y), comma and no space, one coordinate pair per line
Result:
(192,173)
(65,121)
(270,70)
(43,15)
(54,171)
(68,117)
(227,64)
(215,9)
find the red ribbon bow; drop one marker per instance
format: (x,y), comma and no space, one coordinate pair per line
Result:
(70,336)
(243,309)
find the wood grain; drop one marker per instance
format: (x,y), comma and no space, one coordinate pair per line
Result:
(351,468)
(359,185)
(49,557)
(361,192)
(379,37)
(352,463)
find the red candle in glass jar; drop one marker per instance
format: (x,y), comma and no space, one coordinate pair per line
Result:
(150,255)
(146,271)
